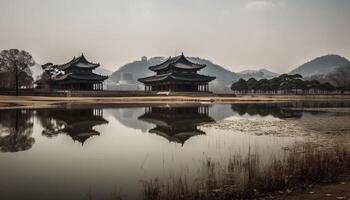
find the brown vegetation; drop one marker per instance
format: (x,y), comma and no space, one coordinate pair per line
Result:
(247,178)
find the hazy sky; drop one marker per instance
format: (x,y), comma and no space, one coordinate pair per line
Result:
(238,34)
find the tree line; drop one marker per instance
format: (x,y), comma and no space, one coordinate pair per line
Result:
(289,84)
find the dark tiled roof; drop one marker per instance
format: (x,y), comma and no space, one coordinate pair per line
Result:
(79,62)
(90,76)
(177,76)
(180,62)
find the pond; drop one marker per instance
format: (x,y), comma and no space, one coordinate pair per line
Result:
(93,151)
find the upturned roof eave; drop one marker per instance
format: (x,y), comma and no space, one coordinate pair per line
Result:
(71,76)
(171,61)
(173,77)
(75,60)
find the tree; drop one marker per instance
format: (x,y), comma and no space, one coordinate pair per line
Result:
(341,76)
(252,84)
(263,85)
(327,87)
(240,85)
(17,62)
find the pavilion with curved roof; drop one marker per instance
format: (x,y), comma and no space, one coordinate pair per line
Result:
(177,74)
(77,74)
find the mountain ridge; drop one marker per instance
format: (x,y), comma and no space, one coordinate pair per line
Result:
(321,65)
(261,73)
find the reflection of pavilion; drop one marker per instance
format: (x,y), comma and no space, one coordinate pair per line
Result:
(77,123)
(177,124)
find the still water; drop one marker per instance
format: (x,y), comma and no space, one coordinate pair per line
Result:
(84,152)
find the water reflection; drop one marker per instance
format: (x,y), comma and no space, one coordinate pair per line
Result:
(16,128)
(277,110)
(77,123)
(176,123)
(128,117)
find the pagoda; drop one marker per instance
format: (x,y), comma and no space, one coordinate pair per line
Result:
(177,74)
(177,123)
(76,74)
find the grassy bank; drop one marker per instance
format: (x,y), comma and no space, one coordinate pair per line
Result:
(246,178)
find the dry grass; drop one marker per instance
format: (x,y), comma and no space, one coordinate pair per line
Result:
(247,178)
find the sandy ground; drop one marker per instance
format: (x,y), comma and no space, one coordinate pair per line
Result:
(39,101)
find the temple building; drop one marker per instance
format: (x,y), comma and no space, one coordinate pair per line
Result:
(177,74)
(76,74)
(177,123)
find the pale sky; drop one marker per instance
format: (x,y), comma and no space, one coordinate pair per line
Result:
(238,34)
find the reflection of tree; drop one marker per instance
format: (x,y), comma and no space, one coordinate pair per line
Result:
(265,109)
(17,128)
(177,124)
(77,123)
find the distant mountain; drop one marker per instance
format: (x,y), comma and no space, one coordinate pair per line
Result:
(103,71)
(320,66)
(224,77)
(130,72)
(257,74)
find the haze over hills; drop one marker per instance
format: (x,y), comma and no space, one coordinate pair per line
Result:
(103,71)
(257,74)
(320,66)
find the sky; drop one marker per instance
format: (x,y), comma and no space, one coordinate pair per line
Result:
(238,34)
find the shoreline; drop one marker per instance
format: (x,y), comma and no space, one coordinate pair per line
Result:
(45,101)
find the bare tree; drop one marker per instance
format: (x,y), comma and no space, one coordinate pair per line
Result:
(16,62)
(341,77)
